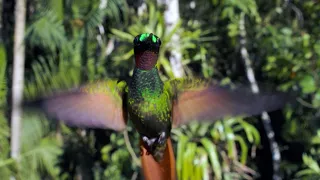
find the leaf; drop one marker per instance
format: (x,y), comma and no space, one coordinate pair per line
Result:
(180,152)
(243,149)
(312,164)
(308,84)
(47,31)
(123,35)
(3,66)
(203,163)
(188,165)
(306,172)
(230,141)
(213,155)
(286,31)
(316,99)
(306,40)
(252,133)
(316,47)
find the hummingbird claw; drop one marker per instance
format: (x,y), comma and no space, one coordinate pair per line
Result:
(148,141)
(153,143)
(145,139)
(162,138)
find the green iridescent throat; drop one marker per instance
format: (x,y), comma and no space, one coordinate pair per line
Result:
(146,83)
(148,91)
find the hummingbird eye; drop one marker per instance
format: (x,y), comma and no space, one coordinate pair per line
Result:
(136,40)
(159,41)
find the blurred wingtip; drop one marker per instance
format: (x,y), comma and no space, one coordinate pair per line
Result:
(33,105)
(286,98)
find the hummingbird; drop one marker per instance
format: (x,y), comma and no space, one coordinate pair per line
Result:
(153,106)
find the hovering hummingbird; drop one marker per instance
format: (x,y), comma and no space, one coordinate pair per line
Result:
(153,106)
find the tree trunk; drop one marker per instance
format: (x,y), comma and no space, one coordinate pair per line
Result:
(172,17)
(18,75)
(274,148)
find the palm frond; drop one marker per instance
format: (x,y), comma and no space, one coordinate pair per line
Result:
(40,150)
(47,31)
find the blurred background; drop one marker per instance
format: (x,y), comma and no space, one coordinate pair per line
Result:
(71,42)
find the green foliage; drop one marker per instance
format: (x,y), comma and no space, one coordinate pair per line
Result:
(311,169)
(153,21)
(68,43)
(116,157)
(39,152)
(222,145)
(3,66)
(4,128)
(47,32)
(48,73)
(65,37)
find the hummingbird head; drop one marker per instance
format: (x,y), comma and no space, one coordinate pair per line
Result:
(146,50)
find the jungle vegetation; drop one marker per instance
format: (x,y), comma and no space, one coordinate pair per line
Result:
(71,42)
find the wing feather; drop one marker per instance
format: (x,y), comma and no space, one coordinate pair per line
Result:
(208,101)
(97,105)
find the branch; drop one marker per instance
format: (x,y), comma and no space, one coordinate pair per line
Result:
(274,148)
(296,10)
(130,149)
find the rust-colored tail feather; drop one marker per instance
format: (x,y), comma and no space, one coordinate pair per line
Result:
(163,170)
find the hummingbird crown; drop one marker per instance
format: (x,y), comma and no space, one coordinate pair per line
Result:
(146,50)
(148,39)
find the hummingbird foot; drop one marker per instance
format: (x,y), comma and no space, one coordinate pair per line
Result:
(151,143)
(162,138)
(155,146)
(148,141)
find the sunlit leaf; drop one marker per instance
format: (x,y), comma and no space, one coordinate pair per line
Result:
(213,156)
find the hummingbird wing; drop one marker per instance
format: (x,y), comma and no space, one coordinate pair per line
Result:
(96,105)
(196,99)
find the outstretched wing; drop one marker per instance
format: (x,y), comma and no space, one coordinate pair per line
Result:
(195,99)
(96,105)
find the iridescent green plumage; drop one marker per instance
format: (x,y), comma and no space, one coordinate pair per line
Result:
(147,96)
(149,105)
(154,107)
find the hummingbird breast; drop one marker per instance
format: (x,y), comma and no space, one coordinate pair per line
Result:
(149,105)
(151,117)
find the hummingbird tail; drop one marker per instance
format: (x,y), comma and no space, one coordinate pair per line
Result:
(163,170)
